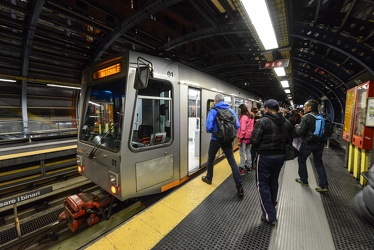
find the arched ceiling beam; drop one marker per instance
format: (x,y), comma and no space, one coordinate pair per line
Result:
(252,74)
(229,65)
(310,88)
(137,17)
(350,47)
(307,93)
(323,80)
(34,13)
(315,88)
(242,50)
(227,29)
(337,72)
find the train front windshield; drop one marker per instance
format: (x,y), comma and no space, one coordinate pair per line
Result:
(102,121)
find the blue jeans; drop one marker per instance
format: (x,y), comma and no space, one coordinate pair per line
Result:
(268,169)
(227,149)
(245,155)
(317,151)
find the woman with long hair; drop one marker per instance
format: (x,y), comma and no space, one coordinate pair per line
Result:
(246,121)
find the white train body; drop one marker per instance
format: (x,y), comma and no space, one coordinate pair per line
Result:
(144,140)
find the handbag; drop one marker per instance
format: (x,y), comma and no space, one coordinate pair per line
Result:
(291,152)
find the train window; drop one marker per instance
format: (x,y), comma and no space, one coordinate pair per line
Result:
(102,121)
(237,103)
(152,116)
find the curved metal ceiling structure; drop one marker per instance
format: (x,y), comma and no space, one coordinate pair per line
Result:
(329,42)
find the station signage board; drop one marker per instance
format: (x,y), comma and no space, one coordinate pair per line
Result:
(16,199)
(275,64)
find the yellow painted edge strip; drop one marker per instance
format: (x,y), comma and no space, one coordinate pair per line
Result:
(147,228)
(29,153)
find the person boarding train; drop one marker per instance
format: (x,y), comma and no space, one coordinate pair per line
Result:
(211,127)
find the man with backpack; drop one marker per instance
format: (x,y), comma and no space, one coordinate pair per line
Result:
(216,126)
(311,144)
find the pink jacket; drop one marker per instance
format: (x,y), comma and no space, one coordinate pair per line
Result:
(246,128)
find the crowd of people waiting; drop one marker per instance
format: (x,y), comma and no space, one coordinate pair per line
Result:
(262,138)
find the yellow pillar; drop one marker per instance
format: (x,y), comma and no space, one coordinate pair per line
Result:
(364,166)
(356,162)
(351,158)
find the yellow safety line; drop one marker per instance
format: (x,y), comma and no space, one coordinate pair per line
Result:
(147,228)
(29,153)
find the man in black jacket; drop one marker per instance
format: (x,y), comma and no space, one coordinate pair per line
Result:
(269,137)
(310,145)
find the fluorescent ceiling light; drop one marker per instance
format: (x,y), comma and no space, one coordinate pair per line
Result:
(7,80)
(287,91)
(94,103)
(258,13)
(285,84)
(61,86)
(280,71)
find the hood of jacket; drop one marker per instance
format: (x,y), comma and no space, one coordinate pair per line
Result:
(222,105)
(278,118)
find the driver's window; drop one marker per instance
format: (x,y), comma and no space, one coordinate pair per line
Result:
(152,116)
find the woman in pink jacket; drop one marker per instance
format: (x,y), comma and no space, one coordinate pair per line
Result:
(244,133)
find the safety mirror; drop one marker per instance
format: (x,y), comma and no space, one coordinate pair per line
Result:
(143,73)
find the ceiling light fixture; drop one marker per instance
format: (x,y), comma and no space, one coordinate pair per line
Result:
(285,84)
(61,86)
(258,12)
(287,91)
(280,71)
(6,80)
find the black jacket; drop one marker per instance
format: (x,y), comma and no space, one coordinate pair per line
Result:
(271,133)
(306,127)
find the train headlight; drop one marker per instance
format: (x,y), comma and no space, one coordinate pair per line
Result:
(80,169)
(79,160)
(114,189)
(80,164)
(113,181)
(113,178)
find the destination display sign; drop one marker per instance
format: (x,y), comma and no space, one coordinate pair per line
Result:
(108,71)
(275,64)
(23,197)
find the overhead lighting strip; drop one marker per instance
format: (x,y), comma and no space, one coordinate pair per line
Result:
(258,13)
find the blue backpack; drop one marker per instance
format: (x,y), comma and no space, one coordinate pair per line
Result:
(323,129)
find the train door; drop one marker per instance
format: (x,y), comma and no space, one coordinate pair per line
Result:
(194,127)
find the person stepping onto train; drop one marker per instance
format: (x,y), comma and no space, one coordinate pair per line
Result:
(212,127)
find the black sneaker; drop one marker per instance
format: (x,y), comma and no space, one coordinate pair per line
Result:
(263,219)
(240,192)
(206,180)
(241,171)
(302,182)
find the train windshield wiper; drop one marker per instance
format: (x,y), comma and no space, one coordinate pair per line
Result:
(100,142)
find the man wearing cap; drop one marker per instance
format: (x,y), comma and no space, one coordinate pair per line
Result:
(269,137)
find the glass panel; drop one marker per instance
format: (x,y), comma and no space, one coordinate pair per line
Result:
(361,110)
(152,116)
(194,123)
(103,118)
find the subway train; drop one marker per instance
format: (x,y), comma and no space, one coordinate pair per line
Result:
(142,129)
